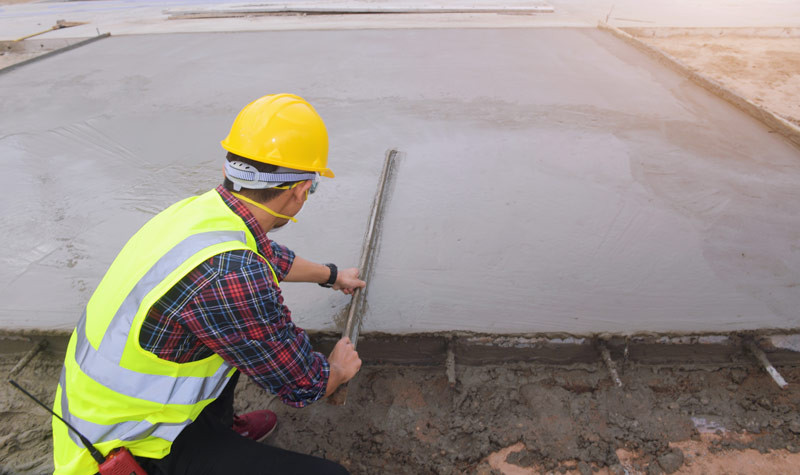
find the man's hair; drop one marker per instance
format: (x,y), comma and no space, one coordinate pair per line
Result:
(263,195)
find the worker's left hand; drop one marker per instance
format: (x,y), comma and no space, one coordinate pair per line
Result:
(347,281)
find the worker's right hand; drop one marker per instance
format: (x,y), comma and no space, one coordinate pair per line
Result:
(344,364)
(347,281)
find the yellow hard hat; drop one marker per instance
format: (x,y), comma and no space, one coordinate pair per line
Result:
(282,130)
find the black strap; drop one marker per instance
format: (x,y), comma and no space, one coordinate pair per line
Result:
(332,278)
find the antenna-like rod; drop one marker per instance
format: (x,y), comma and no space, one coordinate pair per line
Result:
(92,449)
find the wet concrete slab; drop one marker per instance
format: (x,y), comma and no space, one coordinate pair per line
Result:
(131,17)
(554,180)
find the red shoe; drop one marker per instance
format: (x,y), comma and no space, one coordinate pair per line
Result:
(256,425)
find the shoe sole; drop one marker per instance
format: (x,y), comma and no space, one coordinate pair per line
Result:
(261,439)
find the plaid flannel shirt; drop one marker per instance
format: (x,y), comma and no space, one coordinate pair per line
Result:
(231,306)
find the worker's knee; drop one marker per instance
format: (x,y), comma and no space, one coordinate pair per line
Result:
(333,468)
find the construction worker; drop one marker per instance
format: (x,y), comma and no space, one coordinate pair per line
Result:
(192,301)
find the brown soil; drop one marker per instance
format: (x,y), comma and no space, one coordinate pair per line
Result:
(408,420)
(765,70)
(513,418)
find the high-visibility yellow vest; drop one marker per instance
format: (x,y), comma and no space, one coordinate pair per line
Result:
(111,389)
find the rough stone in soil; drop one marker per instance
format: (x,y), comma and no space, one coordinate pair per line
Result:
(671,461)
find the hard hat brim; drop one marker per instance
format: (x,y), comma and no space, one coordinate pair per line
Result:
(326,172)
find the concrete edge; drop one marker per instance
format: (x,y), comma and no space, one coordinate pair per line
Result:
(472,349)
(322,9)
(362,27)
(37,45)
(754,32)
(770,119)
(54,52)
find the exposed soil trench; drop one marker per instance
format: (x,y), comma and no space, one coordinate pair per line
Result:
(498,418)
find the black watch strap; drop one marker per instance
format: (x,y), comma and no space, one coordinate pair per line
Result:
(332,278)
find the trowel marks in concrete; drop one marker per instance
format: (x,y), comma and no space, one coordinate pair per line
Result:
(554,179)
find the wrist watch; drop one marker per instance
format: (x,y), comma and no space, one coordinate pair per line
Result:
(332,278)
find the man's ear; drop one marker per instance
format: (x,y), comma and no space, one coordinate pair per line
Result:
(299,191)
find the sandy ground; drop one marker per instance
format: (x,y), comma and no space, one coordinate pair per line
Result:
(13,53)
(7,59)
(511,419)
(765,70)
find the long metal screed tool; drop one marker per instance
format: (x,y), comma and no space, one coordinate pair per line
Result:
(358,300)
(118,462)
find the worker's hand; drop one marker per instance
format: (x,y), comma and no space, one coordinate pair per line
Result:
(344,364)
(347,281)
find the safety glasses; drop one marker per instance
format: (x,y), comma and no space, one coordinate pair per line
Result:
(314,184)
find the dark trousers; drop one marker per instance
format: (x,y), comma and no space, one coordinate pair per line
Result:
(209,446)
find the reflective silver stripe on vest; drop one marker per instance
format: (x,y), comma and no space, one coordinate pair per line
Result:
(125,431)
(102,365)
(149,387)
(116,336)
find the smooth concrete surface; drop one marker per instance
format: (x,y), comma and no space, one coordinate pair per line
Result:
(131,17)
(554,180)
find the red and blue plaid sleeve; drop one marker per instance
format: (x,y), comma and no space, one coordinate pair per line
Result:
(282,259)
(240,316)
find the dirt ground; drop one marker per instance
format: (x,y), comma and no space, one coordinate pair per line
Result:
(765,70)
(509,419)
